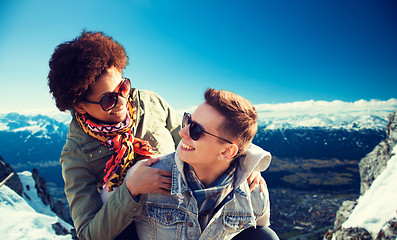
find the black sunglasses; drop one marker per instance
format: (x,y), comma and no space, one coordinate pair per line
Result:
(195,130)
(109,100)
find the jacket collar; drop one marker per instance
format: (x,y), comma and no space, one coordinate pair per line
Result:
(254,158)
(138,104)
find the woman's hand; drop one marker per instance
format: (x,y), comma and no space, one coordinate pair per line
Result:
(149,180)
(256,179)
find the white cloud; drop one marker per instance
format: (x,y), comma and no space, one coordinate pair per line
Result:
(322,107)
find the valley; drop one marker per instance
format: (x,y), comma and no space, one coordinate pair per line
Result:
(313,169)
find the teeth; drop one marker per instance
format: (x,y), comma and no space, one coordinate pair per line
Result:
(184,145)
(118,112)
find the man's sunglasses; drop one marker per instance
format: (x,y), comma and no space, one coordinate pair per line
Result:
(109,100)
(195,130)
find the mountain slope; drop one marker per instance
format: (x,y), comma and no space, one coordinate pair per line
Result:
(27,217)
(377,206)
(373,215)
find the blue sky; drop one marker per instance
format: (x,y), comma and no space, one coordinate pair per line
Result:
(267,51)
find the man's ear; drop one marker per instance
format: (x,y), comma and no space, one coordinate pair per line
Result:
(80,108)
(230,152)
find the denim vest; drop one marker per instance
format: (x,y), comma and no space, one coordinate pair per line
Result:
(176,216)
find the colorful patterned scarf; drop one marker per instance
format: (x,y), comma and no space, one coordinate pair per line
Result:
(118,137)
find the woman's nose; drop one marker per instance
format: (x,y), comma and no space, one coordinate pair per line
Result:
(121,100)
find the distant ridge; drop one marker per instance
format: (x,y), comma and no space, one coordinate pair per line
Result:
(302,114)
(361,114)
(292,132)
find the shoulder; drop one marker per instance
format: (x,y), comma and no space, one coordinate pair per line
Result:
(150,99)
(77,134)
(82,147)
(165,162)
(148,94)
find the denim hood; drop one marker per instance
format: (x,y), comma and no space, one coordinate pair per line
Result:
(253,159)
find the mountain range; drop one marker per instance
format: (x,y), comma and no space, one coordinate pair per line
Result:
(316,146)
(308,136)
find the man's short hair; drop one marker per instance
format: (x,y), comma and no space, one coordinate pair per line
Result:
(75,65)
(240,116)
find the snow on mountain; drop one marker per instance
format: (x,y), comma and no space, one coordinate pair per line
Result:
(39,126)
(337,114)
(379,203)
(361,114)
(63,117)
(27,217)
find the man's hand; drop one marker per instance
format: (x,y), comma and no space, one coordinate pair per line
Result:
(149,180)
(256,179)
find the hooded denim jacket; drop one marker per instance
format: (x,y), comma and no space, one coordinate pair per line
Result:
(176,216)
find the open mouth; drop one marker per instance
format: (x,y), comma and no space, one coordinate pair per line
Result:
(118,112)
(187,147)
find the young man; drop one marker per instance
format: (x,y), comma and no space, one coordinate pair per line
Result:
(210,197)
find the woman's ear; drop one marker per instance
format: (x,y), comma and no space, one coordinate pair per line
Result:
(229,152)
(80,108)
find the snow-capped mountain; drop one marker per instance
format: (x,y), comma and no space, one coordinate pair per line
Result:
(377,206)
(323,129)
(42,124)
(310,129)
(333,115)
(361,114)
(31,141)
(27,217)
(373,215)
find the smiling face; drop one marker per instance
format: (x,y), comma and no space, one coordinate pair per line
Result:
(108,82)
(207,150)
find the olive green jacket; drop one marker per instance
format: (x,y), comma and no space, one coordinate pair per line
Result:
(83,160)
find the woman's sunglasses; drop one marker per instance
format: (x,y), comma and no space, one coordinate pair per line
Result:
(195,130)
(109,100)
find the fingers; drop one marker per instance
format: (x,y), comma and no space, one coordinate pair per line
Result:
(254,183)
(165,173)
(259,180)
(150,161)
(166,186)
(253,180)
(161,178)
(262,184)
(250,179)
(163,191)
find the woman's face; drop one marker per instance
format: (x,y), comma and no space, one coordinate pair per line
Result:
(108,82)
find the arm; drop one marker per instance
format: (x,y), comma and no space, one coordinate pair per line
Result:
(256,179)
(92,219)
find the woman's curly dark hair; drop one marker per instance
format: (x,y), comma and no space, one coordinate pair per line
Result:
(76,64)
